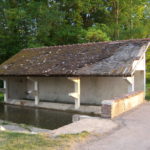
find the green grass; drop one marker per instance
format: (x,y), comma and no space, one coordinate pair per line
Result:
(21,141)
(148,75)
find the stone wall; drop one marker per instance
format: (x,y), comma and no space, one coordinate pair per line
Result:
(17,87)
(115,107)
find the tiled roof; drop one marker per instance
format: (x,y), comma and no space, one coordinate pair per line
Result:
(89,59)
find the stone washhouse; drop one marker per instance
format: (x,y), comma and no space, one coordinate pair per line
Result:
(89,74)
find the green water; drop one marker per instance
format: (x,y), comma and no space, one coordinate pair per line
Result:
(47,119)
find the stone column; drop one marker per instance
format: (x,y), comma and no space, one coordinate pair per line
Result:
(35,92)
(5,90)
(76,93)
(36,89)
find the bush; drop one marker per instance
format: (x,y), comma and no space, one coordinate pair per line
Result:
(1,97)
(97,33)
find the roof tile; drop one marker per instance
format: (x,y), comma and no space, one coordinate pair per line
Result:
(100,59)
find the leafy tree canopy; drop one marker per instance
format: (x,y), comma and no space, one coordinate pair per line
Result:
(35,23)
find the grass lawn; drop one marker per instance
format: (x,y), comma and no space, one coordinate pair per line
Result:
(21,141)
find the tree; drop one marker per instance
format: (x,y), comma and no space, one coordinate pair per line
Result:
(97,33)
(34,23)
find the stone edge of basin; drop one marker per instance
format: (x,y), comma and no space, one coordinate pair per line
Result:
(84,109)
(115,107)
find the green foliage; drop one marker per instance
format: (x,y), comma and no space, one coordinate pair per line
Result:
(1,97)
(148,75)
(94,35)
(148,86)
(35,23)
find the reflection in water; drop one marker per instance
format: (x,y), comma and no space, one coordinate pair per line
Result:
(41,118)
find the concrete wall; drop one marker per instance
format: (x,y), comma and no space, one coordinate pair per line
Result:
(53,89)
(139,81)
(96,89)
(139,75)
(93,89)
(16,88)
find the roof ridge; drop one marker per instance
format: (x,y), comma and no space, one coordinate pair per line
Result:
(86,44)
(66,45)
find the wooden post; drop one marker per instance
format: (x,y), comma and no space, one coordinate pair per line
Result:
(6,90)
(76,93)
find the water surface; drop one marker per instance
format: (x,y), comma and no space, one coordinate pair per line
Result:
(42,118)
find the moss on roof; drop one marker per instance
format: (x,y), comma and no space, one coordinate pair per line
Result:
(100,58)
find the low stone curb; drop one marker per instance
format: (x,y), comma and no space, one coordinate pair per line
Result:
(115,107)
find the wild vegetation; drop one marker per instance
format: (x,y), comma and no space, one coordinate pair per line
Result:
(148,75)
(1,97)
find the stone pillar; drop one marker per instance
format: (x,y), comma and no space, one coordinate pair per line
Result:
(5,90)
(76,93)
(35,92)
(36,89)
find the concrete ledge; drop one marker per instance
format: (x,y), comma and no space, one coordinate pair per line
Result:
(92,125)
(115,107)
(84,109)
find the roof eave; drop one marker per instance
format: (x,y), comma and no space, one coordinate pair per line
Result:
(70,75)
